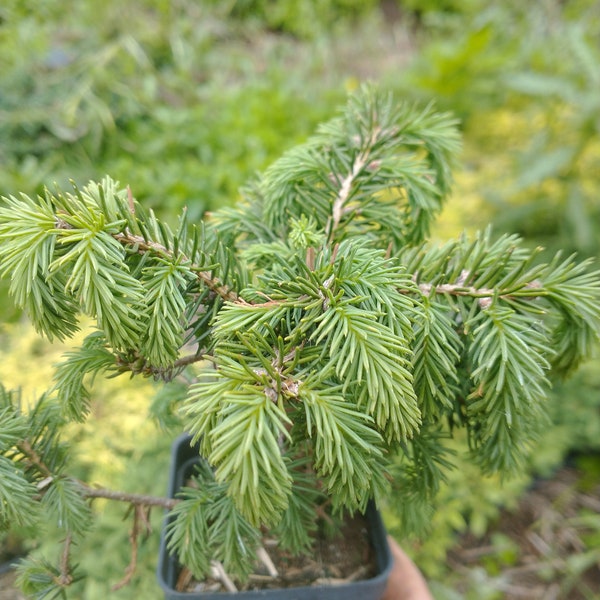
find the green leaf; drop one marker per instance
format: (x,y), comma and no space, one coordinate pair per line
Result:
(27,246)
(575,292)
(509,358)
(436,355)
(232,537)
(165,299)
(99,281)
(540,84)
(296,529)
(372,360)
(377,160)
(40,580)
(203,405)
(13,427)
(544,166)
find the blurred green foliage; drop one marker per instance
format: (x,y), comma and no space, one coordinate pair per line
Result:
(185,100)
(170,97)
(525,79)
(304,19)
(119,446)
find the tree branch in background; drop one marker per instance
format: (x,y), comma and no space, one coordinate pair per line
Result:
(141,515)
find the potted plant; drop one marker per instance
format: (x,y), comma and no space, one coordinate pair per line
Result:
(359,556)
(332,348)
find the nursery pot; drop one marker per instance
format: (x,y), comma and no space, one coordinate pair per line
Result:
(183,458)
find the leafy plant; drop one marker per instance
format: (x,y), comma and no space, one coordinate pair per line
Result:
(330,346)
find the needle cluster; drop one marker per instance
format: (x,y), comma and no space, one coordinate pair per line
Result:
(331,347)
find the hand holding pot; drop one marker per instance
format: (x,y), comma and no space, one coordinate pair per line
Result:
(406,581)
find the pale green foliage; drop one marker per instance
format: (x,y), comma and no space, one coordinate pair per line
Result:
(298,524)
(339,348)
(388,166)
(207,526)
(32,492)
(64,499)
(17,504)
(39,580)
(189,532)
(90,359)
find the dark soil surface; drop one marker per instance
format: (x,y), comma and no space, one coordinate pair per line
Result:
(547,549)
(332,561)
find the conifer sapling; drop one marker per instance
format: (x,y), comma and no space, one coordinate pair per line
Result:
(332,348)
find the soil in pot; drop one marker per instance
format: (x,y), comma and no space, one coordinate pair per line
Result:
(333,561)
(357,558)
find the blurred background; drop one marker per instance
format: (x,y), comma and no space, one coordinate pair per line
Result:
(184,100)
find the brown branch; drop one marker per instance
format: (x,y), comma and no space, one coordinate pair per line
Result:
(141,508)
(27,449)
(138,365)
(459,289)
(184,361)
(135,499)
(338,209)
(140,513)
(142,245)
(33,457)
(456,289)
(65,578)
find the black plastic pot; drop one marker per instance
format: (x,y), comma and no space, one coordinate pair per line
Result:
(183,458)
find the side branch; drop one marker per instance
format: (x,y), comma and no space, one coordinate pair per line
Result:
(141,245)
(135,499)
(339,209)
(91,492)
(65,578)
(140,514)
(140,366)
(484,295)
(344,193)
(25,447)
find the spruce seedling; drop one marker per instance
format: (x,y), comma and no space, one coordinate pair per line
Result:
(331,347)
